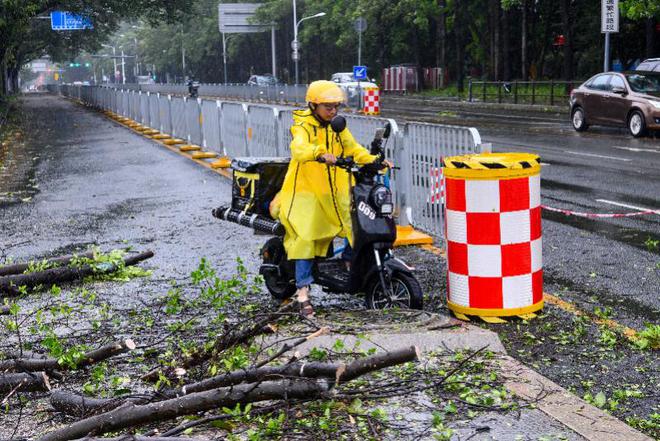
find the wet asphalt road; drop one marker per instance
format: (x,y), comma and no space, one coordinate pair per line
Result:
(99,183)
(93,181)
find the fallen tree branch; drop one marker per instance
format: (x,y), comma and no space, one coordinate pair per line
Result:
(133,415)
(19,268)
(197,400)
(144,438)
(9,284)
(78,405)
(24,382)
(49,364)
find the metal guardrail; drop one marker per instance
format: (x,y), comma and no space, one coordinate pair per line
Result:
(521,92)
(241,129)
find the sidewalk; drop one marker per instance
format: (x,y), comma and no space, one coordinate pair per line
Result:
(556,414)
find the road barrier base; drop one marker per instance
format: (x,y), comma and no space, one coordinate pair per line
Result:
(204,155)
(494,315)
(224,162)
(189,148)
(407,235)
(173,141)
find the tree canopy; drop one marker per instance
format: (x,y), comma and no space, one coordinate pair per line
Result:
(492,39)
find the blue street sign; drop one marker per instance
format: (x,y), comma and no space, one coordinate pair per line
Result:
(66,21)
(360,72)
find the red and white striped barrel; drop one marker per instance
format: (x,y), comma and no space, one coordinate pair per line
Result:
(493,234)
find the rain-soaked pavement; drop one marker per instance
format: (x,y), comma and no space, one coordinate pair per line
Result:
(82,179)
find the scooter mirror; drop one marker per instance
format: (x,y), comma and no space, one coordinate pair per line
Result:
(388,130)
(338,124)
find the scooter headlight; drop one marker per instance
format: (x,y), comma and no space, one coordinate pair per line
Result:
(381,199)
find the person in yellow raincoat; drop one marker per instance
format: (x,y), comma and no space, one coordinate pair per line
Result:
(315,197)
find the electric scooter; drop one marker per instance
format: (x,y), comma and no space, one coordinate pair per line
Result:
(385,280)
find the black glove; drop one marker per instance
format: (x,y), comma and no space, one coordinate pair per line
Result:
(376,147)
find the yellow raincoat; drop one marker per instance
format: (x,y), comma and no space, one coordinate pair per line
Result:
(315,199)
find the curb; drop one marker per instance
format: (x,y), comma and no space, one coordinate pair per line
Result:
(589,421)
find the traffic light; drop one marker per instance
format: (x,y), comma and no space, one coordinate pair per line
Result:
(88,64)
(74,64)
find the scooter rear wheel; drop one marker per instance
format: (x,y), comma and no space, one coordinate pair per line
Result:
(406,293)
(273,253)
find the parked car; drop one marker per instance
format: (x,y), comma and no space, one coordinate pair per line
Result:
(144,79)
(626,99)
(263,80)
(650,65)
(351,86)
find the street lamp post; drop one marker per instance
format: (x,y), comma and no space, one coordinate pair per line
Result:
(123,62)
(114,61)
(295,45)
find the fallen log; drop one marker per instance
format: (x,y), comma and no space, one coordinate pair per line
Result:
(24,382)
(78,405)
(131,415)
(49,364)
(9,284)
(19,268)
(337,372)
(144,438)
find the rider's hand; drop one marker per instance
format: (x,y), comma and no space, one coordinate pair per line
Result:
(328,158)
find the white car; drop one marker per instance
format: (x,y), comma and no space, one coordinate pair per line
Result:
(347,81)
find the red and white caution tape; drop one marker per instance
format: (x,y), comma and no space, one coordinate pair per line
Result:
(599,215)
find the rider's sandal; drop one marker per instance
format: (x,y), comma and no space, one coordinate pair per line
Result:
(306,309)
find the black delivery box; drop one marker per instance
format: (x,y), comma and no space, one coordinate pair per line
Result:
(256,182)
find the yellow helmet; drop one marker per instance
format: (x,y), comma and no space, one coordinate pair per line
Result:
(323,91)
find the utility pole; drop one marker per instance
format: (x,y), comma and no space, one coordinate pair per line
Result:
(123,72)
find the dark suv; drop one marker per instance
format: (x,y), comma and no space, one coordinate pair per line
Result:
(626,99)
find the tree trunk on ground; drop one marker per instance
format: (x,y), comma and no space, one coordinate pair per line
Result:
(19,268)
(10,284)
(24,382)
(130,414)
(133,415)
(48,364)
(77,405)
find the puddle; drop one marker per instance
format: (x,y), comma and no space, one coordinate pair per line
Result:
(636,238)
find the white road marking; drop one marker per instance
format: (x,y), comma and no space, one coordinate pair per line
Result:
(545,164)
(616,158)
(635,149)
(632,207)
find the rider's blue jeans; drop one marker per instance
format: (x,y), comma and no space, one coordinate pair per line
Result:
(304,272)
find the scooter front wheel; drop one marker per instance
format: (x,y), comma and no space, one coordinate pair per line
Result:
(406,293)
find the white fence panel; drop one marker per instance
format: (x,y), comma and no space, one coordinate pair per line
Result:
(262,139)
(178,114)
(154,113)
(194,121)
(232,129)
(211,125)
